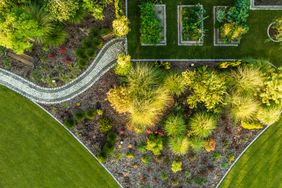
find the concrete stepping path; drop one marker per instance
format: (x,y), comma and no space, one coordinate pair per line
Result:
(104,61)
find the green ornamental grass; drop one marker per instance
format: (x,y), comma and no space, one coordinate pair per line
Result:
(202,124)
(174,125)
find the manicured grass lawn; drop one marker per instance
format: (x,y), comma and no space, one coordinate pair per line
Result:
(252,44)
(35,151)
(261,165)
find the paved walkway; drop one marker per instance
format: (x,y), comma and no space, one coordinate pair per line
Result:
(105,60)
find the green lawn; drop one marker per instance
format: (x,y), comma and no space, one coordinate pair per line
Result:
(261,164)
(252,44)
(35,151)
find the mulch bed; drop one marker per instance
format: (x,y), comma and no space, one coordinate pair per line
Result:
(204,170)
(268,2)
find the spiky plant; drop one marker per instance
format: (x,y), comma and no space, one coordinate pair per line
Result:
(197,144)
(202,124)
(175,84)
(247,79)
(143,97)
(268,115)
(243,107)
(55,37)
(174,125)
(179,145)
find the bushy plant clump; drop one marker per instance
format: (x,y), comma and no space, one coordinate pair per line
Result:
(143,97)
(179,145)
(108,147)
(175,84)
(176,166)
(123,65)
(174,125)
(150,25)
(208,88)
(154,144)
(202,124)
(105,125)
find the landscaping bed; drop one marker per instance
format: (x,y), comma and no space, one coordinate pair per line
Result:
(268,2)
(122,149)
(153,24)
(190,25)
(56,66)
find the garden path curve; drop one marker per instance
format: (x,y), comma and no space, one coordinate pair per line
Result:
(105,60)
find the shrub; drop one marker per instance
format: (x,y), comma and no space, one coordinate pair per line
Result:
(243,107)
(176,166)
(207,86)
(174,125)
(120,26)
(174,83)
(179,145)
(82,63)
(210,145)
(146,159)
(142,147)
(271,91)
(79,115)
(251,125)
(108,148)
(123,65)
(143,97)
(216,156)
(202,124)
(247,80)
(163,176)
(232,31)
(197,144)
(130,155)
(150,25)
(278,27)
(90,52)
(63,10)
(69,122)
(90,114)
(268,115)
(154,144)
(105,125)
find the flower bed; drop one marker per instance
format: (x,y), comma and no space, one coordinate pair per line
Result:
(153,24)
(274,31)
(190,25)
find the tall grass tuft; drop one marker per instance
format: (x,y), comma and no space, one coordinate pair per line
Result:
(174,125)
(179,145)
(202,124)
(268,115)
(243,107)
(247,80)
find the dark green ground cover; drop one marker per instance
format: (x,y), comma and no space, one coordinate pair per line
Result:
(35,151)
(252,44)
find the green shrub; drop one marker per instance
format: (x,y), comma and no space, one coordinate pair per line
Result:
(69,122)
(216,156)
(243,107)
(268,115)
(179,145)
(208,87)
(154,144)
(130,155)
(80,53)
(79,115)
(197,144)
(82,63)
(55,37)
(105,125)
(150,25)
(251,125)
(90,53)
(123,65)
(146,159)
(163,176)
(176,166)
(174,83)
(202,124)
(90,114)
(174,125)
(142,147)
(108,148)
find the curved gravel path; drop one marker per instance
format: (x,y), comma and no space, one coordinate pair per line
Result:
(105,60)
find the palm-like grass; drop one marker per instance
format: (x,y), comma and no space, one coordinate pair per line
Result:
(179,145)
(175,125)
(268,115)
(243,107)
(248,79)
(202,124)
(175,84)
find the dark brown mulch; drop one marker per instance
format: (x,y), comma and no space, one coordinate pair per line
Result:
(268,2)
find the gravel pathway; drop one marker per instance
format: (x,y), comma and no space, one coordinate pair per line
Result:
(101,64)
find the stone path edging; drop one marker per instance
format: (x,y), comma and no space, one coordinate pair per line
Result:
(105,60)
(78,141)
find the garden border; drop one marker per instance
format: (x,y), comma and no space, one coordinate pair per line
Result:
(264,7)
(180,60)
(162,43)
(72,134)
(216,32)
(179,27)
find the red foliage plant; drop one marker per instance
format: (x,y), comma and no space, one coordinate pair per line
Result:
(62,50)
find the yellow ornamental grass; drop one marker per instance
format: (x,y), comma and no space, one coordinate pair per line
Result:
(251,125)
(120,26)
(123,59)
(268,115)
(237,32)
(119,99)
(227,28)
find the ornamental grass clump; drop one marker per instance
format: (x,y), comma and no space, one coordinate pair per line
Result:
(174,125)
(143,97)
(202,124)
(154,144)
(243,107)
(179,145)
(175,84)
(123,65)
(268,114)
(247,80)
